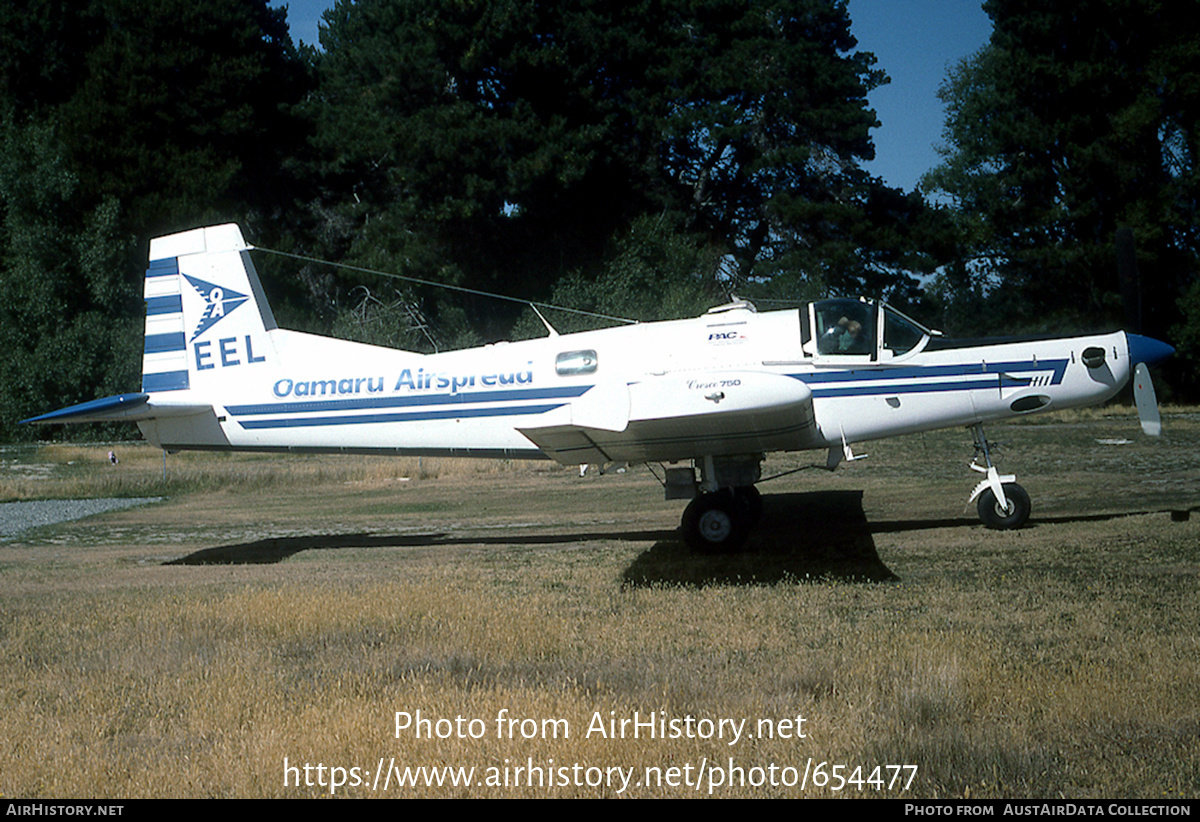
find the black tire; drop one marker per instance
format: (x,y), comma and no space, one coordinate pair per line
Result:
(994,516)
(715,523)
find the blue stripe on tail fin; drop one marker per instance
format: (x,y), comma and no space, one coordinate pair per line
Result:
(164,354)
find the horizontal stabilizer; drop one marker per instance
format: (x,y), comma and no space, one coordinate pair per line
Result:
(119,408)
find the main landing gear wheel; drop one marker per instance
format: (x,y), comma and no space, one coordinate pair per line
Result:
(1002,519)
(750,498)
(720,521)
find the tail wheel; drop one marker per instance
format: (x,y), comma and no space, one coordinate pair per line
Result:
(717,522)
(1001,518)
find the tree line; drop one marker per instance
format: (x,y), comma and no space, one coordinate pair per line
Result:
(645,160)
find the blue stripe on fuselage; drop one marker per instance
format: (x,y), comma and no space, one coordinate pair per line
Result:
(419,416)
(917,379)
(565,392)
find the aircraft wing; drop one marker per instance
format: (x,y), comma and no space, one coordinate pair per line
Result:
(118,408)
(667,418)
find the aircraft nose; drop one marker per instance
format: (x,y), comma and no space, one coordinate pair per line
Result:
(1147,349)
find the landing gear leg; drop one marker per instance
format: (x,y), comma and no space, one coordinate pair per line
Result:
(1003,504)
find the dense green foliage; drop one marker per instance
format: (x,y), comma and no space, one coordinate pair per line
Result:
(514,144)
(1075,121)
(121,120)
(644,159)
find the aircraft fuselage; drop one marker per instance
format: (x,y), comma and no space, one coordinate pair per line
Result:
(720,390)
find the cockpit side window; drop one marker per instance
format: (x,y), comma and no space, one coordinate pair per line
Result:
(899,334)
(845,327)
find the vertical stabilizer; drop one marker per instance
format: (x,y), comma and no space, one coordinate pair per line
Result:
(205,310)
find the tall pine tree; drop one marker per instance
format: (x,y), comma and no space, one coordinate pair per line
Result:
(121,120)
(1075,121)
(507,144)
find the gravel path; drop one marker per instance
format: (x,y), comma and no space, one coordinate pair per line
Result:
(17,516)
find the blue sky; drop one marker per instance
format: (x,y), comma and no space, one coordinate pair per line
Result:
(915,41)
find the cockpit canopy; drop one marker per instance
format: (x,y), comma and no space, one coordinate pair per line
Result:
(864,330)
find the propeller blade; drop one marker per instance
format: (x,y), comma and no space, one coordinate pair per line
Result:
(1146,401)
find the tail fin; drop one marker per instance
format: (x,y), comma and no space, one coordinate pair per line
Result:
(205,310)
(206,317)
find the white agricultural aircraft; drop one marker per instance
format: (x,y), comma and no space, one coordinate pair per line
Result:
(718,391)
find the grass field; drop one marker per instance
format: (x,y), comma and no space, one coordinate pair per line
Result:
(315,626)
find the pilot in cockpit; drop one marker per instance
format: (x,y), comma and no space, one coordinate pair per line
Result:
(846,337)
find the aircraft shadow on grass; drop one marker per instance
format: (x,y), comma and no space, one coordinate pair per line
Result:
(813,536)
(804,536)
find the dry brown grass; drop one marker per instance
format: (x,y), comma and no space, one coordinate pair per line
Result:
(1062,660)
(62,471)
